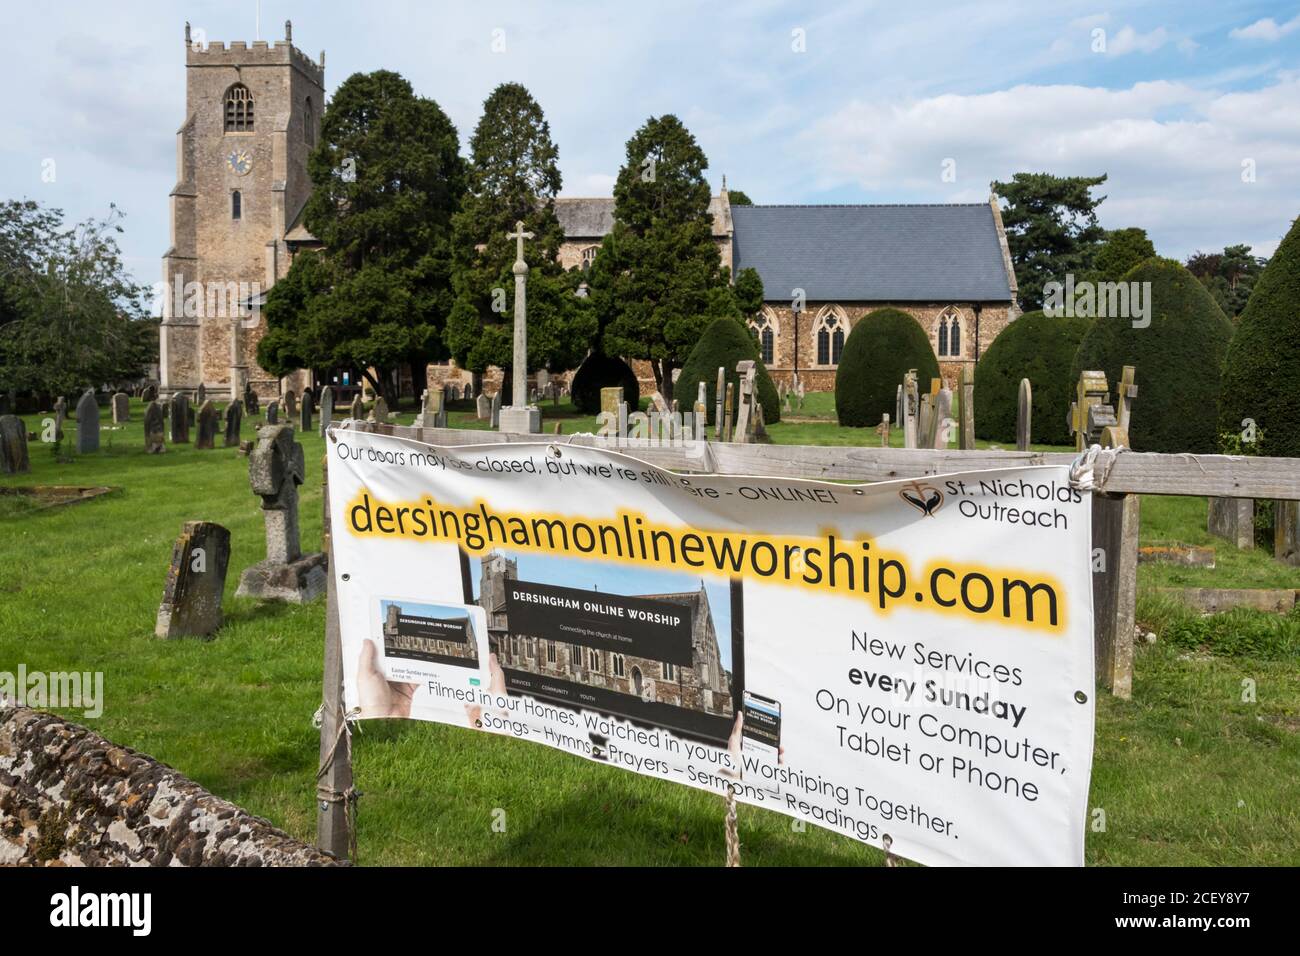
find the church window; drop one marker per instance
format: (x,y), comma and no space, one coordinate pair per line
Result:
(550,652)
(830,329)
(308,123)
(619,665)
(764,327)
(575,655)
(593,660)
(949,333)
(236,205)
(589,256)
(239,109)
(669,671)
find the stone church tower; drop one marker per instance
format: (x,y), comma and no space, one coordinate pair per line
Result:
(252,115)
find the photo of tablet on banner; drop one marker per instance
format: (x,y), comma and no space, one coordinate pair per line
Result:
(423,641)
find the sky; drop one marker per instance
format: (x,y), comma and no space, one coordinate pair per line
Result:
(1192,108)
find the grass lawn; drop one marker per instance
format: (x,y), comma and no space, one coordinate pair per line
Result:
(1186,772)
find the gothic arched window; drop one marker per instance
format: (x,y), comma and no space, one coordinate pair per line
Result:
(765,326)
(589,256)
(236,205)
(308,123)
(949,333)
(239,109)
(830,329)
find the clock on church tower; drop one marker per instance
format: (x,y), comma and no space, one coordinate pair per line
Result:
(240,161)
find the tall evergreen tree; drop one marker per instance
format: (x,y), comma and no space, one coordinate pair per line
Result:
(1052,229)
(513,177)
(658,280)
(387,177)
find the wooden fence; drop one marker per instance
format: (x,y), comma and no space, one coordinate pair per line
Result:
(1115,514)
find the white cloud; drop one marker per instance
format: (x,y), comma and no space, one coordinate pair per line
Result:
(1173,152)
(1266,29)
(1128,40)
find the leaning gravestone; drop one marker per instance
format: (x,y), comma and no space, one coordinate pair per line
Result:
(273,413)
(306,417)
(379,411)
(13,446)
(356,410)
(275,470)
(326,409)
(121,408)
(150,393)
(234,421)
(206,436)
(87,423)
(196,580)
(180,416)
(155,429)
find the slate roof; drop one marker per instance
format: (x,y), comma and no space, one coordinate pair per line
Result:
(593,217)
(898,253)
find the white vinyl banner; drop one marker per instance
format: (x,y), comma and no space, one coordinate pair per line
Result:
(907,662)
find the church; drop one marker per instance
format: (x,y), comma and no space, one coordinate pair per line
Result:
(253,115)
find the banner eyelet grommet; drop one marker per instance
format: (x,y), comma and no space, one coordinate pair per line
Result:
(1080,697)
(346,577)
(858,491)
(554,450)
(685,482)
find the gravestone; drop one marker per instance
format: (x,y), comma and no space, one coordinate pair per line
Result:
(305,417)
(155,429)
(13,446)
(234,421)
(1286,531)
(308,397)
(966,397)
(379,411)
(326,409)
(911,410)
(202,394)
(87,423)
(356,411)
(206,436)
(121,408)
(728,413)
(1024,415)
(1233,519)
(745,413)
(942,424)
(180,418)
(250,400)
(482,408)
(496,409)
(609,402)
(275,470)
(196,579)
(433,409)
(150,393)
(273,412)
(883,430)
(290,404)
(720,400)
(925,437)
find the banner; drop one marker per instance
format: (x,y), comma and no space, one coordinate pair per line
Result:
(910,660)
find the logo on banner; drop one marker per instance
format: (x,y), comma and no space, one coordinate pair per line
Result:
(926,499)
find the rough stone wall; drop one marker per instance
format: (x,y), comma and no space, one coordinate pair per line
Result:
(68,797)
(992,320)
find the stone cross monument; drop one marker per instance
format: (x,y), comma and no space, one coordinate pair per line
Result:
(275,470)
(520,416)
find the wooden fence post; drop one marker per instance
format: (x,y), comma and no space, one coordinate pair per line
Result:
(1114,588)
(334,784)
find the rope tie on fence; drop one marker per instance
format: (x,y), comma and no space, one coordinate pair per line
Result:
(733,836)
(328,794)
(1093,466)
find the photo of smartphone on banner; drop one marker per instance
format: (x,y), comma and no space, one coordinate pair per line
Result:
(762,729)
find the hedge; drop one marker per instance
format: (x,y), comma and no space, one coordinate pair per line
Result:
(881,349)
(598,371)
(724,343)
(1178,358)
(1040,348)
(1261,373)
